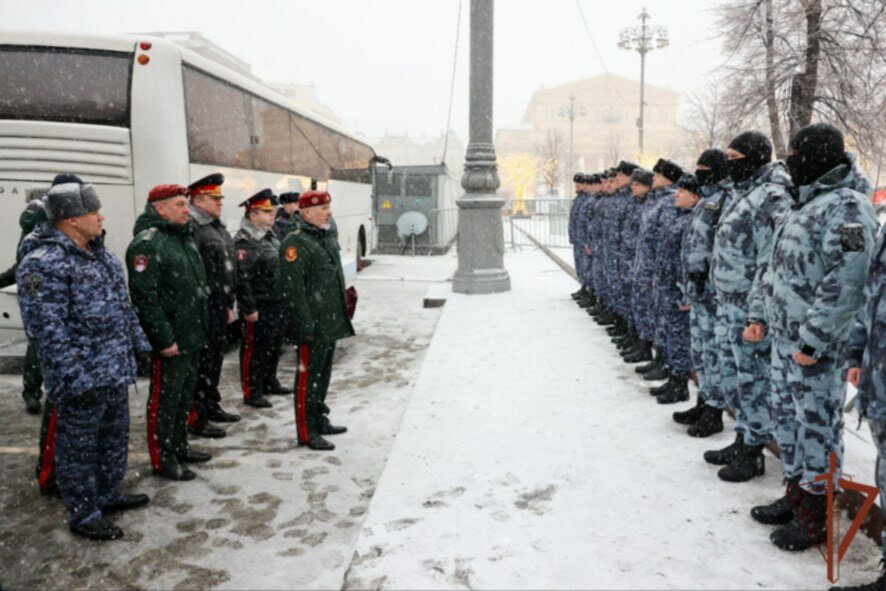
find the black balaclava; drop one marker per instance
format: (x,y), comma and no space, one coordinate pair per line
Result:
(715,160)
(814,151)
(757,150)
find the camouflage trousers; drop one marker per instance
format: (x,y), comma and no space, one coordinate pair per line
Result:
(878,431)
(705,356)
(747,366)
(598,277)
(641,309)
(807,412)
(91,446)
(32,379)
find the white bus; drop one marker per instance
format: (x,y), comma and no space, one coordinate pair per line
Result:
(127,113)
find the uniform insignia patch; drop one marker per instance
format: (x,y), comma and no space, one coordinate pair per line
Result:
(852,237)
(33,283)
(240,255)
(291,254)
(712,206)
(140,263)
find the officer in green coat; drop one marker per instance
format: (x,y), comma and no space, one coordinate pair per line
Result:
(167,283)
(314,291)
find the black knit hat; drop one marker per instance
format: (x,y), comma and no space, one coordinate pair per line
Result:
(291,197)
(70,200)
(642,176)
(626,167)
(668,169)
(754,145)
(688,182)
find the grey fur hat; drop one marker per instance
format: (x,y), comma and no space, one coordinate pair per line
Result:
(69,200)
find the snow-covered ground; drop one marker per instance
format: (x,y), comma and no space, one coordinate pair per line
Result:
(511,450)
(263,514)
(531,457)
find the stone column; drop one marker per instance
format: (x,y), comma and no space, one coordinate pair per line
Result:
(481,243)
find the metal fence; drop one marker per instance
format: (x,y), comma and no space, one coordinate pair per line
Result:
(545,220)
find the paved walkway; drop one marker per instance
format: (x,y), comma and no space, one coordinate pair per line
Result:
(531,457)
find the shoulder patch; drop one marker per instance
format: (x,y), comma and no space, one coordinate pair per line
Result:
(140,263)
(149,233)
(291,254)
(852,237)
(712,206)
(33,283)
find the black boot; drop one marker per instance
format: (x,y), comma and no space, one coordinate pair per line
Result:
(642,353)
(710,422)
(659,390)
(275,387)
(258,401)
(678,392)
(781,511)
(607,318)
(577,294)
(659,373)
(192,456)
(653,363)
(99,529)
(807,528)
(219,415)
(721,457)
(691,415)
(878,585)
(177,472)
(319,444)
(32,405)
(748,463)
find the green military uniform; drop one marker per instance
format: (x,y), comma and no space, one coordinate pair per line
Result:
(168,287)
(314,291)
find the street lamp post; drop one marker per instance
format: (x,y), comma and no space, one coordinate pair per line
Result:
(481,243)
(571,112)
(643,39)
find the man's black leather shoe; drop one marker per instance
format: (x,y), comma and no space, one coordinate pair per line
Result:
(318,443)
(207,430)
(126,503)
(258,402)
(278,388)
(333,430)
(218,415)
(99,529)
(192,456)
(175,473)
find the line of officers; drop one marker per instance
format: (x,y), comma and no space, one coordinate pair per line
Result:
(88,328)
(764,277)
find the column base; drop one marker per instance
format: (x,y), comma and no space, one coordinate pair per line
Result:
(481,281)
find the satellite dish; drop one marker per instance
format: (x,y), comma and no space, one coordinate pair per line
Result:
(411,223)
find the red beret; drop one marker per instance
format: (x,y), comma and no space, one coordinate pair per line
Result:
(161,192)
(313,198)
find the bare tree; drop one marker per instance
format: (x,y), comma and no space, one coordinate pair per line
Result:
(707,121)
(613,148)
(795,61)
(550,159)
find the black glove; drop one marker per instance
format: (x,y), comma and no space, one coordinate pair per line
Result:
(84,401)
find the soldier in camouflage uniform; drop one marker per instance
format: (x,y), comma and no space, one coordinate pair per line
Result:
(706,417)
(814,284)
(666,173)
(260,300)
(78,316)
(866,356)
(742,248)
(641,183)
(314,292)
(217,252)
(573,231)
(584,227)
(597,244)
(670,288)
(622,202)
(168,286)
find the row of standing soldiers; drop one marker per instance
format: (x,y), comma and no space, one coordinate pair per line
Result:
(765,279)
(88,329)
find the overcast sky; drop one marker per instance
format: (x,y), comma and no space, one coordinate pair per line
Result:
(385,66)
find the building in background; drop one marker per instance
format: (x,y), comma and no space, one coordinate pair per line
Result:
(604,133)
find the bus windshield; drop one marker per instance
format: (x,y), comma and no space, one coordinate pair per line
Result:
(62,84)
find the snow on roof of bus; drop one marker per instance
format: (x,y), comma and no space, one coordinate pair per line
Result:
(121,42)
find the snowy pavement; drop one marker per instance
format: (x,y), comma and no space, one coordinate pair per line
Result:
(263,514)
(531,457)
(495,443)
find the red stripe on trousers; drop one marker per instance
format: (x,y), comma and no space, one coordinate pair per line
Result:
(246,364)
(301,415)
(192,417)
(153,411)
(47,458)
